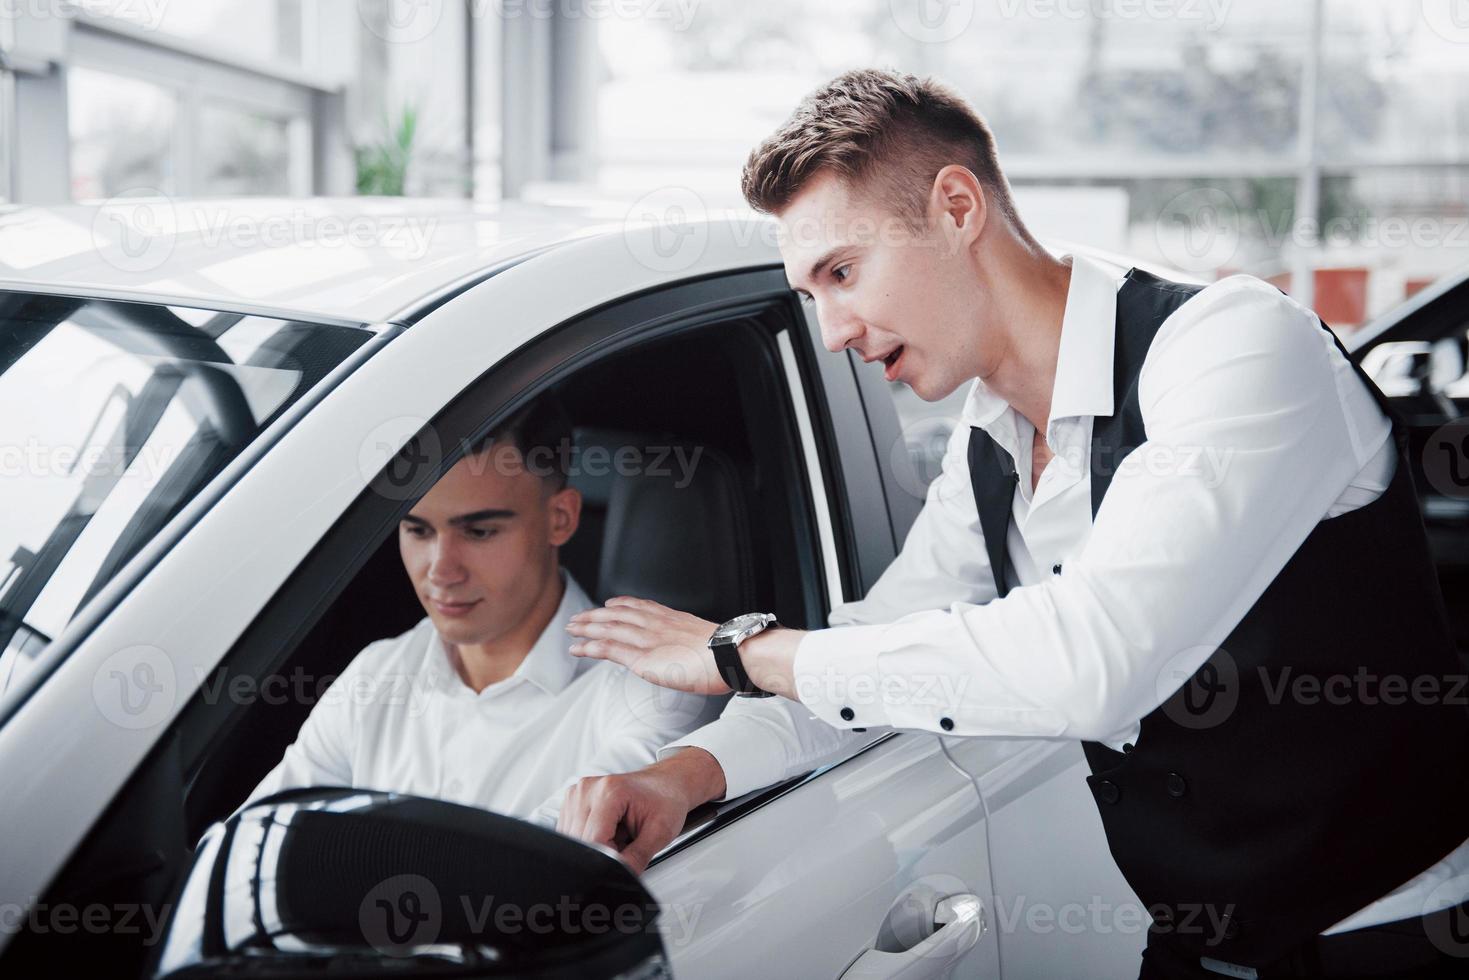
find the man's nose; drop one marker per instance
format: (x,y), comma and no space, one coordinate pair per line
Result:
(838,328)
(444,567)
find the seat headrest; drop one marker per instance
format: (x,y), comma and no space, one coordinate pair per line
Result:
(677,523)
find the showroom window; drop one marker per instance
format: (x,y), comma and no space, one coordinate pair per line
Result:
(122,134)
(261,30)
(145,119)
(244,152)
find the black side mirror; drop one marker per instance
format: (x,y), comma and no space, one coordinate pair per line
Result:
(355,883)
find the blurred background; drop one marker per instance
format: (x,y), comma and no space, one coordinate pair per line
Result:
(1323,144)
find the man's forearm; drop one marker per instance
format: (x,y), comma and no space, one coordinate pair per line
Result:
(770,657)
(697,771)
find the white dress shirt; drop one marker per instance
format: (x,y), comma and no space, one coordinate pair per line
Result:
(400,718)
(1257,429)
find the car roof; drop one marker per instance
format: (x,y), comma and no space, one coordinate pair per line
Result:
(355,259)
(331,259)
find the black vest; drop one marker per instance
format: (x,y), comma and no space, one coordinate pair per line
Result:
(1251,815)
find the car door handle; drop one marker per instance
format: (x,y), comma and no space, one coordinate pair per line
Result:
(960,922)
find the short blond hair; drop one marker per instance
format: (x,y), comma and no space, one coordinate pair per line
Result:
(887,135)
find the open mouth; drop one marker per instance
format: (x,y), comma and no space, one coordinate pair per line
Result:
(890,363)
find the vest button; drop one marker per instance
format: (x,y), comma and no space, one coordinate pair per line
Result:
(947,724)
(1177,785)
(1108,791)
(848,714)
(1127,747)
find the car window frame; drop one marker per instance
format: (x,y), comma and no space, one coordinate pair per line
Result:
(559,352)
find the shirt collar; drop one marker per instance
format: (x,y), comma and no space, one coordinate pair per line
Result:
(549,665)
(1083,361)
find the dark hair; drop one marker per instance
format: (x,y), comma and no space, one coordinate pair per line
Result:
(887,135)
(538,430)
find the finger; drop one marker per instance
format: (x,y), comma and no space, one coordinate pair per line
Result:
(633,602)
(603,819)
(618,653)
(638,637)
(641,849)
(573,813)
(621,614)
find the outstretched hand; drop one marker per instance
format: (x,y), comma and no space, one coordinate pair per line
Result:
(661,645)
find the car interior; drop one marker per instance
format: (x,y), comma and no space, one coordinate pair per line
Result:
(686,479)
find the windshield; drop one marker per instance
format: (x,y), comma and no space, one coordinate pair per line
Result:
(115,416)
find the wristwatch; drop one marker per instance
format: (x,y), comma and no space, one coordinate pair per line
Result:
(725,642)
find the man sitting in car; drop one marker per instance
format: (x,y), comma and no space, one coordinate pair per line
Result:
(481,702)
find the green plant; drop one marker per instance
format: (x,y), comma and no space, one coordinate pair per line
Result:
(382,167)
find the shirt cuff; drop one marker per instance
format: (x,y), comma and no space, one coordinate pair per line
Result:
(837,676)
(751,754)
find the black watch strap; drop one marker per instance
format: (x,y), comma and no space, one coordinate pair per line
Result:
(732,669)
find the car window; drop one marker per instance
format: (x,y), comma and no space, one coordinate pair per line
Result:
(117,415)
(691,470)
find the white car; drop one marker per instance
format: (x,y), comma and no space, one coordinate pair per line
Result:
(216,413)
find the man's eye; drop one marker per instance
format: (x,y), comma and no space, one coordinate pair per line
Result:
(415,530)
(481,533)
(841,272)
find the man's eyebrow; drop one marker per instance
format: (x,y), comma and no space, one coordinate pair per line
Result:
(817,266)
(474,517)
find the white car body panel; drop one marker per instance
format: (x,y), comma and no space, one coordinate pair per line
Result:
(800,887)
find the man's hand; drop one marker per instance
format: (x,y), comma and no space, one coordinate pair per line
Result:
(638,813)
(661,645)
(671,649)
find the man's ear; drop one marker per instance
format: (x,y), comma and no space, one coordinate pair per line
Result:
(564,510)
(958,201)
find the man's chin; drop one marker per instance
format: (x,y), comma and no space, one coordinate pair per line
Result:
(458,631)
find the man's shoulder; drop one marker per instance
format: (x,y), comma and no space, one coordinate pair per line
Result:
(1240,292)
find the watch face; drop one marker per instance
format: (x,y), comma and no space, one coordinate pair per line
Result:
(739,624)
